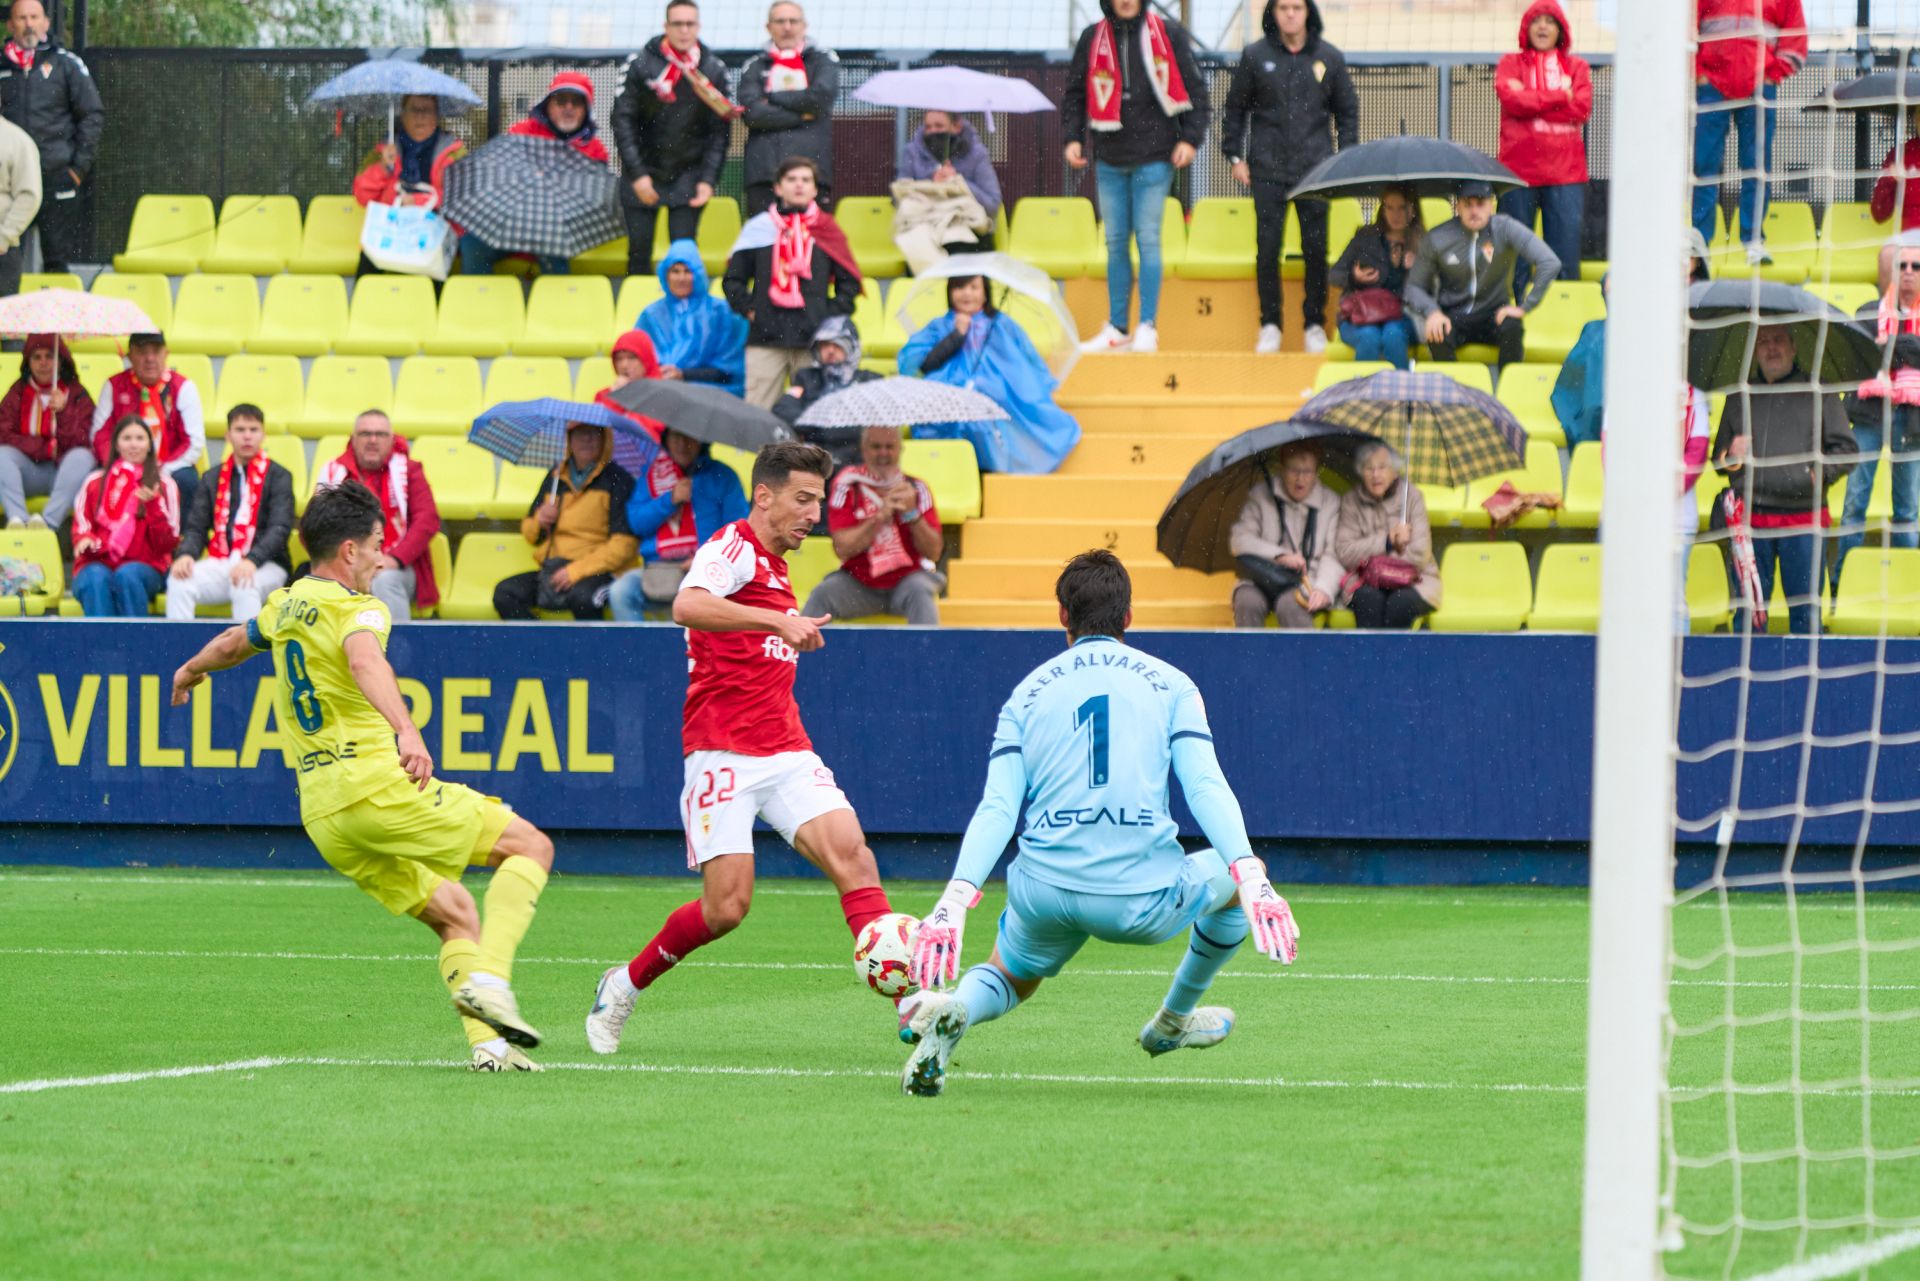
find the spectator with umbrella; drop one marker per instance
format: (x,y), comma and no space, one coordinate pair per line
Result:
(790,269)
(1371,275)
(945,148)
(1885,413)
(786,95)
(1546,95)
(836,367)
(46,433)
(671,124)
(577,527)
(563,115)
(682,499)
(1282,543)
(696,336)
(1460,289)
(1295,89)
(1385,544)
(946,193)
(411,167)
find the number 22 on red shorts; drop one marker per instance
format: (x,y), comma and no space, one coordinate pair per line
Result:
(725,790)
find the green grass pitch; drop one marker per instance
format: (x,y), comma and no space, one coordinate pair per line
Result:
(1406,1102)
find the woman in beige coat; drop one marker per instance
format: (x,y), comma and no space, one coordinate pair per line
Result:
(1372,524)
(1288,521)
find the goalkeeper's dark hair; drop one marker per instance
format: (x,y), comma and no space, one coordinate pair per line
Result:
(1097,594)
(336,514)
(780,460)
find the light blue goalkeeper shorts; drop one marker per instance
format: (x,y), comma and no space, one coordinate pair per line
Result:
(1043,926)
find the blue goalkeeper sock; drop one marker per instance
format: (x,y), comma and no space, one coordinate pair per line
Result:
(986,993)
(1214,940)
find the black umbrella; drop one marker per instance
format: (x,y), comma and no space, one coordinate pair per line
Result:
(534,195)
(1879,91)
(1195,528)
(1726,316)
(1428,165)
(702,412)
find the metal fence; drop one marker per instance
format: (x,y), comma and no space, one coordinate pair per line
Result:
(226,122)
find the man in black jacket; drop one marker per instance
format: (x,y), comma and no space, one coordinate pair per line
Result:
(47,91)
(787,93)
(670,124)
(1295,88)
(233,541)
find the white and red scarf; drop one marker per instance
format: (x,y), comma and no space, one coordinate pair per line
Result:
(246,516)
(21,58)
(1891,321)
(391,491)
(786,69)
(1104,73)
(116,508)
(888,552)
(37,417)
(792,256)
(676,538)
(687,66)
(1902,386)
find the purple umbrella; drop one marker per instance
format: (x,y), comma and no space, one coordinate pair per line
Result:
(952,89)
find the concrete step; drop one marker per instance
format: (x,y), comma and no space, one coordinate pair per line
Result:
(1176,374)
(1057,540)
(1046,614)
(1169,455)
(1215,418)
(1153,580)
(1091,498)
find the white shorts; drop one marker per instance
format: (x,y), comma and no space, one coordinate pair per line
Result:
(726,790)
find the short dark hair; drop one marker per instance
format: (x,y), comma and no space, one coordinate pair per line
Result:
(336,514)
(245,410)
(1097,594)
(682,4)
(791,163)
(781,459)
(986,287)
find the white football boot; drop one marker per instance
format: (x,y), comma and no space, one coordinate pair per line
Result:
(908,1006)
(1167,1031)
(496,1007)
(608,1015)
(940,1022)
(485,1060)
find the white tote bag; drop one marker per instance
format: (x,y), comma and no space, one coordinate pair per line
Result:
(411,239)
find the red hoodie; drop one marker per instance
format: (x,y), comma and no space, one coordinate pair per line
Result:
(1545,99)
(1886,192)
(1743,42)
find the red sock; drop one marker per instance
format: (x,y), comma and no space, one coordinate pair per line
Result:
(861,906)
(685,930)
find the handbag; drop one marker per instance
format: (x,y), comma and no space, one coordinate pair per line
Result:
(410,239)
(1384,573)
(548,596)
(1374,306)
(1274,581)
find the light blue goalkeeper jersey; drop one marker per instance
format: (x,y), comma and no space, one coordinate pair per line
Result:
(1087,742)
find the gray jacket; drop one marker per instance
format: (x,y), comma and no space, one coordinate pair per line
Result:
(1791,426)
(1472,271)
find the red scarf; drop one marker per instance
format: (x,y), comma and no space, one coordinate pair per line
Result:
(786,69)
(679,65)
(1105,74)
(888,552)
(116,508)
(1891,321)
(676,539)
(21,58)
(155,407)
(247,518)
(390,489)
(37,419)
(792,256)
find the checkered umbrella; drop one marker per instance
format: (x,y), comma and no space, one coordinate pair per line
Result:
(533,195)
(900,402)
(533,433)
(1449,433)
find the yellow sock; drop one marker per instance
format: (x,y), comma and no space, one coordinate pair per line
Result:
(508,913)
(458,959)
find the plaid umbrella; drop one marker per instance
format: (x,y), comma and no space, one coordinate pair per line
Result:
(533,195)
(900,402)
(68,311)
(533,433)
(1449,433)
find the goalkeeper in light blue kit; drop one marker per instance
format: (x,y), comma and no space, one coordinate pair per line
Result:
(1085,742)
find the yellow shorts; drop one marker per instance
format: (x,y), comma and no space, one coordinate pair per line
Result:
(400,843)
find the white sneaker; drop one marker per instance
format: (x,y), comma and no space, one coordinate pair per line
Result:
(608,1015)
(1107,340)
(1269,341)
(940,1022)
(1206,1026)
(36,521)
(1757,255)
(485,1060)
(16,524)
(1315,339)
(1146,340)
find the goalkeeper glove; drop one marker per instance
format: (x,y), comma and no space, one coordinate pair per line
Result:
(936,950)
(1274,933)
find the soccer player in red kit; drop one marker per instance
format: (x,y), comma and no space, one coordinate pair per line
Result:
(746,752)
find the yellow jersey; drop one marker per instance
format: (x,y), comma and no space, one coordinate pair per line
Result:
(343,748)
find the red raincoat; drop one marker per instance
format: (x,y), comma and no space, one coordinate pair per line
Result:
(1541,121)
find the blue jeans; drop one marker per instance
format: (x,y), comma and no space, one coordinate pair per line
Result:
(1388,342)
(1801,562)
(1750,120)
(125,592)
(1906,487)
(477,258)
(1562,208)
(1133,201)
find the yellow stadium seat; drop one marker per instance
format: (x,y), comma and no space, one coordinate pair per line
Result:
(215,315)
(637,293)
(303,316)
(881,333)
(1485,587)
(1709,606)
(482,560)
(169,235)
(1173,242)
(593,377)
(1848,295)
(196,369)
(34,280)
(738,461)
(1220,240)
(1708,490)
(1539,474)
(1345,217)
(608,258)
(460,473)
(42,547)
(328,448)
(479,316)
(1527,389)
(1445,503)
(1339,371)
(291,453)
(257,235)
(1435,210)
(1879,498)
(1879,589)
(1567,597)
(271,382)
(437,395)
(1467,373)
(149,292)
(1554,326)
(440,556)
(339,388)
(1053,232)
(952,471)
(390,316)
(513,492)
(1850,243)
(1791,243)
(806,567)
(94,370)
(868,222)
(330,237)
(511,378)
(719,227)
(567,316)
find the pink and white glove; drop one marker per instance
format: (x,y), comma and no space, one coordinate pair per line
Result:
(1274,933)
(936,949)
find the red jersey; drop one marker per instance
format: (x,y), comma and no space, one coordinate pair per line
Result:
(740,684)
(891,556)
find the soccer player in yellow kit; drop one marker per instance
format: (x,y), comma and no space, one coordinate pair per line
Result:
(368,797)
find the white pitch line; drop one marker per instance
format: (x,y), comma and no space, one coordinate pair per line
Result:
(1847,1260)
(700,1069)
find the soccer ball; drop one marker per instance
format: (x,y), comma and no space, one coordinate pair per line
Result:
(881,953)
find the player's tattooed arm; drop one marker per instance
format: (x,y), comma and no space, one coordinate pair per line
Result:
(229,649)
(704,611)
(374,675)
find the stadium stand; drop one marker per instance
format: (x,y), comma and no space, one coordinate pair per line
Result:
(257,235)
(330,237)
(147,290)
(391,316)
(339,388)
(437,395)
(272,382)
(567,316)
(213,314)
(169,237)
(302,316)
(479,316)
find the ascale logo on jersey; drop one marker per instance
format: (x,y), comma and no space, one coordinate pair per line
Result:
(1045,820)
